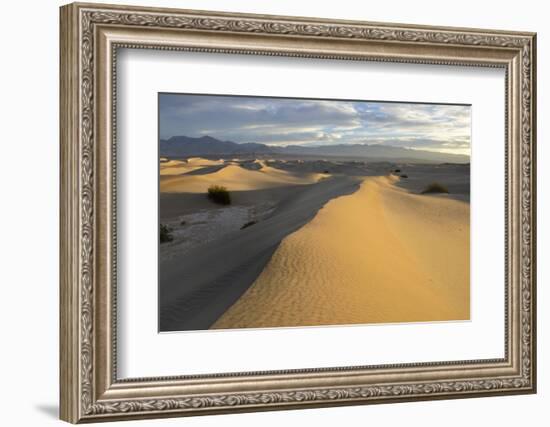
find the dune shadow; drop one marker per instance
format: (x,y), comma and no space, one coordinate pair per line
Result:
(197,289)
(205,170)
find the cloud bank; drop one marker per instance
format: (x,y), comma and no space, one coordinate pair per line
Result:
(284,121)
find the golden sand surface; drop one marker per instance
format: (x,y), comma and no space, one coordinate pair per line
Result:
(236,178)
(178,167)
(379,255)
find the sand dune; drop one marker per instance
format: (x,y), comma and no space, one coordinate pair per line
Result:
(236,178)
(199,161)
(177,167)
(199,287)
(381,254)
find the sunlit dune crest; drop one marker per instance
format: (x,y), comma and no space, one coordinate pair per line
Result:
(236,178)
(177,167)
(199,161)
(380,255)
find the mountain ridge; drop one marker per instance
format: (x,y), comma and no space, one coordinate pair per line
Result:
(184,146)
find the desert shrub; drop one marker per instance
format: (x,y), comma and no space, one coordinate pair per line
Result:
(248,224)
(404,176)
(183,222)
(219,194)
(397,171)
(165,234)
(326,171)
(435,187)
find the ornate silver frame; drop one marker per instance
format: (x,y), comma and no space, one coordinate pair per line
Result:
(90,36)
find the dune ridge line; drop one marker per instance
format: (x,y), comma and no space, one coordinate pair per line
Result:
(379,255)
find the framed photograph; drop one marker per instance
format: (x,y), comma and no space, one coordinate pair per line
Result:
(266,212)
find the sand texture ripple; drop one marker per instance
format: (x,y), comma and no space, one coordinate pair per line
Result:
(200,286)
(381,254)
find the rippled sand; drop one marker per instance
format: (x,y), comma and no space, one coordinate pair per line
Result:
(379,255)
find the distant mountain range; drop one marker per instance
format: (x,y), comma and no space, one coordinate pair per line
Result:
(184,146)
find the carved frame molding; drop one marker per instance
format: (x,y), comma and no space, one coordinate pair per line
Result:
(90,37)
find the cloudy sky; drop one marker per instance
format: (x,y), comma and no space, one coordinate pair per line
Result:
(283,121)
